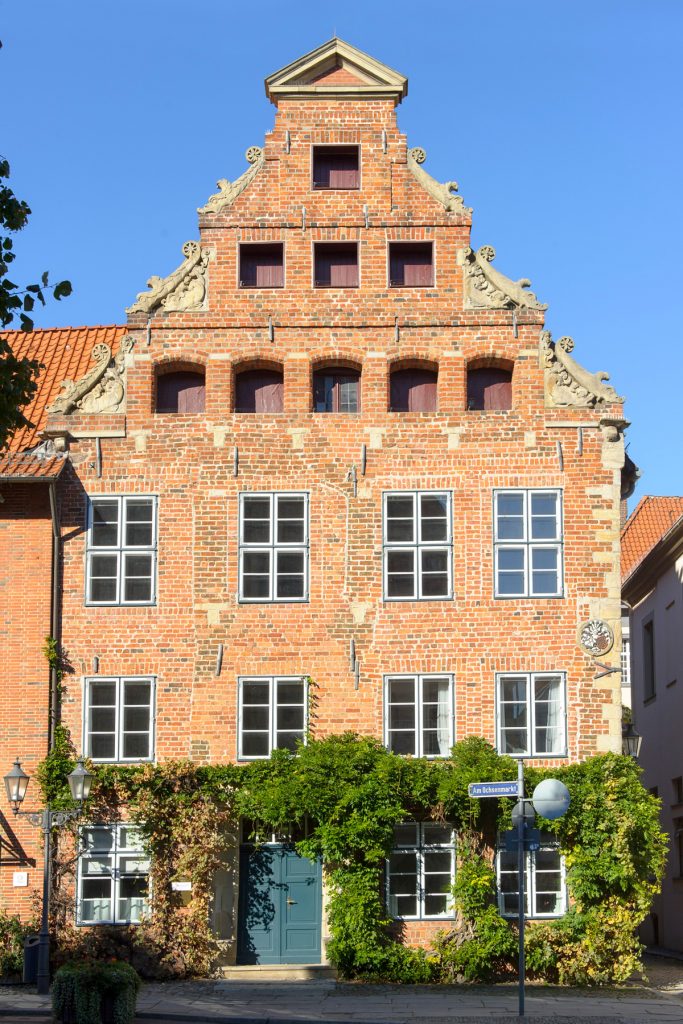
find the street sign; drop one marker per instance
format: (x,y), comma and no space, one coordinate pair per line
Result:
(532,839)
(484,789)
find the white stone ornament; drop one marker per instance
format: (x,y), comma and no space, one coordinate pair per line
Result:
(443,193)
(102,389)
(567,383)
(487,288)
(228,191)
(596,637)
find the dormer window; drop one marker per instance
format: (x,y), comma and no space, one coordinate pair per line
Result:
(336,167)
(411,265)
(336,265)
(262,265)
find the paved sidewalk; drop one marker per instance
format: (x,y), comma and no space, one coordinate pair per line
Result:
(306,1002)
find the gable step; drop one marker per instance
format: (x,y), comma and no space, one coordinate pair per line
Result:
(279,972)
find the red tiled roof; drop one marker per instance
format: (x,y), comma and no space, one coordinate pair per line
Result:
(652,518)
(65,354)
(25,466)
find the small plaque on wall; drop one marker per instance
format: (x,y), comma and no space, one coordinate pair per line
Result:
(596,637)
(19,879)
(181,886)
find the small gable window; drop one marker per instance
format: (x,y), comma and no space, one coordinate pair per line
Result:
(181,391)
(413,390)
(336,167)
(336,265)
(336,389)
(489,387)
(259,391)
(262,265)
(411,265)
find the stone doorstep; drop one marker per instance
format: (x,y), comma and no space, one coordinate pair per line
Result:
(279,972)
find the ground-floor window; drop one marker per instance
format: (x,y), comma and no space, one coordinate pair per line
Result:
(421,871)
(113,875)
(545,891)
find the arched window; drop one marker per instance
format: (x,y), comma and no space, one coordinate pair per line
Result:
(336,389)
(181,391)
(413,389)
(260,390)
(489,387)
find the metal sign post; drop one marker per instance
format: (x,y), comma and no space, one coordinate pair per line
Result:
(521,854)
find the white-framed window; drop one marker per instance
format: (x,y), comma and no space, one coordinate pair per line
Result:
(545,889)
(532,719)
(273,560)
(121,553)
(420,871)
(417,539)
(273,712)
(119,718)
(528,543)
(418,714)
(113,875)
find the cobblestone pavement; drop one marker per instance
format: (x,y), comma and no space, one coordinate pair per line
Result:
(659,1001)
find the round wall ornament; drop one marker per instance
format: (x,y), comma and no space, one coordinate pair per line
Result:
(596,637)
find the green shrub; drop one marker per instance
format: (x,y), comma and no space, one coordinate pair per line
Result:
(13,931)
(79,989)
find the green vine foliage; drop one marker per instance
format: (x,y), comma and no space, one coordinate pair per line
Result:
(81,990)
(352,791)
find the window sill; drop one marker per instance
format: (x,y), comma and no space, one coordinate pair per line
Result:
(336,287)
(393,284)
(258,287)
(334,188)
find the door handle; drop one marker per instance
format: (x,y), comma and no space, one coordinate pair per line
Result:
(290,903)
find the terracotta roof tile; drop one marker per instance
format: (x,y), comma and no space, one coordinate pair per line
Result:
(65,354)
(652,518)
(26,466)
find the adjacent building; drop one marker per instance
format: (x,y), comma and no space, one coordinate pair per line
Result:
(335,449)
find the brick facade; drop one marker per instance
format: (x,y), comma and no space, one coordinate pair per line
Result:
(197,466)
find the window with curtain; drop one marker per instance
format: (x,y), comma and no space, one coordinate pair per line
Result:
(336,265)
(336,167)
(113,875)
(413,390)
(181,391)
(262,265)
(411,264)
(420,871)
(488,388)
(336,389)
(259,391)
(531,714)
(418,714)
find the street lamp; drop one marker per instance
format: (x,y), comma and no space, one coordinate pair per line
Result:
(16,784)
(630,740)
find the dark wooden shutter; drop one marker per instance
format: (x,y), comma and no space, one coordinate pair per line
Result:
(413,390)
(181,392)
(261,266)
(259,391)
(336,168)
(489,387)
(336,266)
(411,265)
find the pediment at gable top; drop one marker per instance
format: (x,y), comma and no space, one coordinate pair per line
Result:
(336,68)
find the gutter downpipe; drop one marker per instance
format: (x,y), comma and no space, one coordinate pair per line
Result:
(55,618)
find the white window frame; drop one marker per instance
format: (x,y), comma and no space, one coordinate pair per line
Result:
(530,678)
(119,682)
(273,547)
(418,545)
(116,853)
(530,884)
(120,550)
(527,544)
(419,850)
(272,712)
(418,700)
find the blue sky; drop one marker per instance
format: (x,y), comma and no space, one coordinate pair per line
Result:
(560,120)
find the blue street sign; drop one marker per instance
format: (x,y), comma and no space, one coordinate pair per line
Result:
(483,789)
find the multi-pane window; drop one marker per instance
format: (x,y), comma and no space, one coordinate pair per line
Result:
(417,545)
(336,390)
(531,714)
(119,719)
(418,714)
(121,559)
(272,714)
(113,875)
(421,871)
(273,547)
(545,893)
(528,543)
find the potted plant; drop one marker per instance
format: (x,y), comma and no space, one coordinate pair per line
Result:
(95,993)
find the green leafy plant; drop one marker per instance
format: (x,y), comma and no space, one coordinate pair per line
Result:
(80,990)
(13,931)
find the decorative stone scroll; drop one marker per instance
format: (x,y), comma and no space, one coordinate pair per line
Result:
(596,637)
(443,193)
(228,191)
(567,383)
(486,287)
(183,290)
(102,389)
